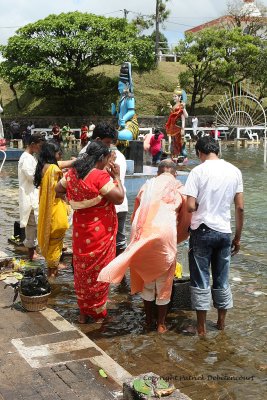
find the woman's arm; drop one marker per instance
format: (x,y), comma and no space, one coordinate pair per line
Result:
(115,195)
(66,163)
(61,190)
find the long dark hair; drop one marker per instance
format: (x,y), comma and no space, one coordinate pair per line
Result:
(95,152)
(47,155)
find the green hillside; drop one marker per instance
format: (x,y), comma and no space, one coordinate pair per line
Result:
(153,90)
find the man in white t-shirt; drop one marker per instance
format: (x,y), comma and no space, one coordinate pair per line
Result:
(28,194)
(211,188)
(194,125)
(91,130)
(108,135)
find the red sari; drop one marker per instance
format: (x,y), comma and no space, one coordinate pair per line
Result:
(94,237)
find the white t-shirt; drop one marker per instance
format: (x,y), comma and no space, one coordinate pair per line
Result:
(214,185)
(194,123)
(28,193)
(90,130)
(121,161)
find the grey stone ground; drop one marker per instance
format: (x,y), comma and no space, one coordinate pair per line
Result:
(44,357)
(40,361)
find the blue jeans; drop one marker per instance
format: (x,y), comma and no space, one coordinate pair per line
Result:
(156,158)
(208,247)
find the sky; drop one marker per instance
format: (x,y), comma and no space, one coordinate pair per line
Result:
(184,13)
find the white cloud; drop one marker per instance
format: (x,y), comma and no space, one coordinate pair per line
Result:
(184,13)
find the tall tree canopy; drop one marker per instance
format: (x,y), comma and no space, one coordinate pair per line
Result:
(217,57)
(54,56)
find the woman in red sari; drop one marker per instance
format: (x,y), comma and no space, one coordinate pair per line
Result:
(92,194)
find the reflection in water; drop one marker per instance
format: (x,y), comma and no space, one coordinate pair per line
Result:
(230,365)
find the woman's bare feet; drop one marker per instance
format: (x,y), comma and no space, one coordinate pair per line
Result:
(62,266)
(52,272)
(33,255)
(82,319)
(99,320)
(161,328)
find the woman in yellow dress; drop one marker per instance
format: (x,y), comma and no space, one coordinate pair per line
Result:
(53,211)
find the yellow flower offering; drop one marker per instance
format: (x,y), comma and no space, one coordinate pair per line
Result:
(178,270)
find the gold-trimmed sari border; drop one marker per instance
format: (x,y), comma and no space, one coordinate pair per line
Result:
(79,205)
(107,188)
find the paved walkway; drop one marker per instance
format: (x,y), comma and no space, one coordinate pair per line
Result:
(44,357)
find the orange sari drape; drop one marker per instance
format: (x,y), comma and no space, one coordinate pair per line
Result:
(153,246)
(175,131)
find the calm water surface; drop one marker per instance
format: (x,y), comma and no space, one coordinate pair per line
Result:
(230,365)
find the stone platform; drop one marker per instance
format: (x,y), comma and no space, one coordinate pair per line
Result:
(44,357)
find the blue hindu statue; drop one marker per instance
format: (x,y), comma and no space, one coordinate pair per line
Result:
(127,119)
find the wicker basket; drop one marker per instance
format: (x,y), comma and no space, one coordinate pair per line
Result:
(180,299)
(34,303)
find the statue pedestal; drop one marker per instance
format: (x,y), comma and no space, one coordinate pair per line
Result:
(135,152)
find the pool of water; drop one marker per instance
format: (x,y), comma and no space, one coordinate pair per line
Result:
(229,365)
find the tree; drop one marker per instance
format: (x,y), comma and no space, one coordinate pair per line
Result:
(55,56)
(161,15)
(241,17)
(216,57)
(259,77)
(143,22)
(163,41)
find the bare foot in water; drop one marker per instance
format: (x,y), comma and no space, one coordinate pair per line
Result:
(161,328)
(220,326)
(221,319)
(202,333)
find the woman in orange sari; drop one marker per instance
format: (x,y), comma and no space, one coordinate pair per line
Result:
(176,121)
(160,208)
(92,194)
(53,215)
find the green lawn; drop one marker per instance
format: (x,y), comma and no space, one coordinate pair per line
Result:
(153,90)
